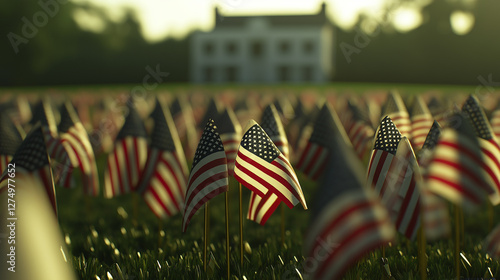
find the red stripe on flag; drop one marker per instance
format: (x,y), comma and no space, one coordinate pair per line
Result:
(271,174)
(457,187)
(205,183)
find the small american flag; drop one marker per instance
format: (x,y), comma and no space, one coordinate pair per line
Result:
(261,208)
(31,160)
(359,131)
(421,122)
(182,114)
(436,218)
(74,139)
(347,221)
(488,143)
(384,150)
(212,112)
(262,168)
(128,158)
(164,180)
(402,178)
(62,165)
(230,133)
(271,123)
(454,169)
(10,138)
(432,137)
(209,176)
(396,110)
(315,155)
(299,131)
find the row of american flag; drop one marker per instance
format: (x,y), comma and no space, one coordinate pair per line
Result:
(418,158)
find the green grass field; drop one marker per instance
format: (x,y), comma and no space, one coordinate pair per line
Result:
(120,238)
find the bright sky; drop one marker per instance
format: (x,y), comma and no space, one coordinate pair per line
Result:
(176,18)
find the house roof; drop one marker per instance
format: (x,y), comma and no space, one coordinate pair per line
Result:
(274,20)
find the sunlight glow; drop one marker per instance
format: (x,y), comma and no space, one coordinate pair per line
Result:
(168,18)
(461,22)
(406,19)
(88,21)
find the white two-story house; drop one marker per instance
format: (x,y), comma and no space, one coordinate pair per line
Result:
(264,49)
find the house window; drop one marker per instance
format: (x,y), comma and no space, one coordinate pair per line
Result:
(283,73)
(257,49)
(284,47)
(231,73)
(231,48)
(208,48)
(307,73)
(208,74)
(308,47)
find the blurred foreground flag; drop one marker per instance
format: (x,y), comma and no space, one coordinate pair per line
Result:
(315,155)
(454,170)
(263,169)
(163,182)
(40,252)
(128,158)
(230,133)
(10,138)
(208,176)
(347,221)
(488,143)
(31,161)
(75,141)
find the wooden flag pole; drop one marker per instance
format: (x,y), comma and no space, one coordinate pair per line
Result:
(241,225)
(282,225)
(205,238)
(457,241)
(227,238)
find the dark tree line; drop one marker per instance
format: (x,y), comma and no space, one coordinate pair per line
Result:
(42,45)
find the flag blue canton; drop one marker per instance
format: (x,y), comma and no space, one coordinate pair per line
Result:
(432,137)
(477,117)
(209,143)
(388,136)
(32,154)
(258,143)
(268,122)
(161,137)
(133,125)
